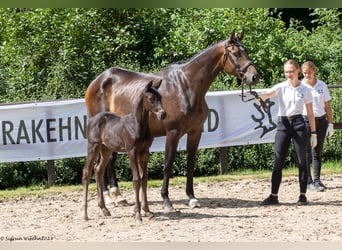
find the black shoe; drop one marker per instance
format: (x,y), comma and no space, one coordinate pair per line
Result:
(322,185)
(270,200)
(302,200)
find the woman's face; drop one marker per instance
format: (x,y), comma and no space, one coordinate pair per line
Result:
(291,72)
(309,74)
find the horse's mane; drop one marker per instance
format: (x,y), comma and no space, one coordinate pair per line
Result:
(194,56)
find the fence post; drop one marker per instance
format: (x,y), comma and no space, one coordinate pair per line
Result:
(224,160)
(51,173)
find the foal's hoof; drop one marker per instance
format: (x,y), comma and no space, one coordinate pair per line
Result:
(85,217)
(106,212)
(138,219)
(149,215)
(193,203)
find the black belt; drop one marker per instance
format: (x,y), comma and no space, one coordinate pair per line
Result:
(292,117)
(323,117)
(317,118)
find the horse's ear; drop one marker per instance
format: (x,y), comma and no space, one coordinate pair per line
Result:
(232,36)
(241,35)
(148,86)
(157,84)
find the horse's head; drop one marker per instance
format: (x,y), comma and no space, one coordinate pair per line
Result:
(153,100)
(236,60)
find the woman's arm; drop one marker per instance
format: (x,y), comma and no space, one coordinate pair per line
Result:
(328,110)
(268,94)
(311,117)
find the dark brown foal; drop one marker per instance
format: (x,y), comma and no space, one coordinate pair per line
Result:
(108,132)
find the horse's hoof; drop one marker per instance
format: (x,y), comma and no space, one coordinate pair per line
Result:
(106,212)
(193,203)
(114,192)
(107,199)
(120,201)
(149,215)
(138,219)
(168,207)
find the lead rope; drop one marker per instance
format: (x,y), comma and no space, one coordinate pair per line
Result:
(253,93)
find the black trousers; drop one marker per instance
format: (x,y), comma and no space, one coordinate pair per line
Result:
(314,155)
(296,131)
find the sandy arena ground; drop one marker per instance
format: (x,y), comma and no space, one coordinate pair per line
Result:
(230,212)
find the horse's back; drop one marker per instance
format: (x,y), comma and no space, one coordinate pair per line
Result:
(116,89)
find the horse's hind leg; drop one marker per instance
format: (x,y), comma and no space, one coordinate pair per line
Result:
(114,190)
(99,174)
(87,172)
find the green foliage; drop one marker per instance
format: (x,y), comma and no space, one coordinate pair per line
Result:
(69,171)
(13,175)
(48,54)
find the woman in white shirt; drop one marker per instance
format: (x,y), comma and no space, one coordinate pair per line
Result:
(324,122)
(292,97)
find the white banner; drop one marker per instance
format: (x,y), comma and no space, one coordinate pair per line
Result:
(57,129)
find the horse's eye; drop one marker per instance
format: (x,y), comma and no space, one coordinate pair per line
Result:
(237,54)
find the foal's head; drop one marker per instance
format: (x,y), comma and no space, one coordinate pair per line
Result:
(236,60)
(152,100)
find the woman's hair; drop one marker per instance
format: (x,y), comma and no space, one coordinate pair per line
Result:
(293,62)
(309,64)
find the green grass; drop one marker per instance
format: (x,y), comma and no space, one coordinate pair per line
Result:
(332,167)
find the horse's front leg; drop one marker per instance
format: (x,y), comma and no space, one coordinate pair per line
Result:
(136,184)
(143,161)
(191,148)
(172,139)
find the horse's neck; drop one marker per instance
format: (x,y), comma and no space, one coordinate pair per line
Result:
(141,115)
(205,66)
(200,71)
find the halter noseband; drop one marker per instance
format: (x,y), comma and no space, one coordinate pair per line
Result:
(240,70)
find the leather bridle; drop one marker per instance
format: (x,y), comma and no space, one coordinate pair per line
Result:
(242,71)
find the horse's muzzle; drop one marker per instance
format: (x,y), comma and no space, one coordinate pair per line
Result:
(252,78)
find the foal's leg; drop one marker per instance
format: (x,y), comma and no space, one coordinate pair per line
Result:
(99,173)
(143,161)
(87,172)
(136,183)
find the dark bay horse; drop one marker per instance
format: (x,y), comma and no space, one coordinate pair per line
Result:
(108,132)
(183,96)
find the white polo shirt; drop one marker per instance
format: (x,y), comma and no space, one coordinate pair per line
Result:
(320,95)
(291,100)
